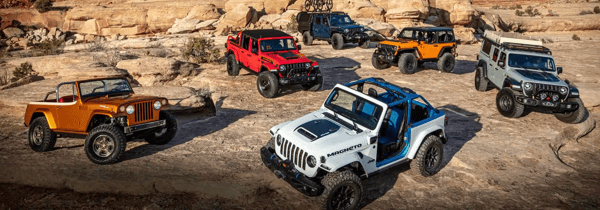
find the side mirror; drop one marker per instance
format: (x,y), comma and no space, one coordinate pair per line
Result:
(254,50)
(501,63)
(559,70)
(299,47)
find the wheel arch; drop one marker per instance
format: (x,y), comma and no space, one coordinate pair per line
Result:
(350,160)
(483,65)
(447,49)
(409,50)
(44,113)
(97,116)
(421,137)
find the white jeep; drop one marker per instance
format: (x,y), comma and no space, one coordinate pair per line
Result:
(353,136)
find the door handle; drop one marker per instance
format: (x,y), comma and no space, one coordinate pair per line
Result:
(248,54)
(58,107)
(435,45)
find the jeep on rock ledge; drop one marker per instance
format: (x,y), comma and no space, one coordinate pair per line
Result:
(275,57)
(335,27)
(105,111)
(524,72)
(353,136)
(415,46)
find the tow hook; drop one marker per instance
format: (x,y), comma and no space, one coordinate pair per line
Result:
(279,174)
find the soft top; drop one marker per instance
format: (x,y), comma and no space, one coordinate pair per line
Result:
(402,93)
(265,33)
(428,29)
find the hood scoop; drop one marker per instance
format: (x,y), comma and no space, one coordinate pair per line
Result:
(316,129)
(289,56)
(540,76)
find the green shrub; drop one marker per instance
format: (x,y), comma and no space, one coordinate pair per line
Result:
(49,47)
(519,6)
(202,50)
(96,46)
(597,10)
(550,13)
(25,70)
(43,5)
(293,24)
(519,13)
(496,7)
(576,38)
(586,12)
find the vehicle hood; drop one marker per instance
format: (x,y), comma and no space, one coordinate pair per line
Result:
(536,75)
(286,57)
(348,26)
(396,42)
(121,100)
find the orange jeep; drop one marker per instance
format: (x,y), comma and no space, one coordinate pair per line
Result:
(415,46)
(105,111)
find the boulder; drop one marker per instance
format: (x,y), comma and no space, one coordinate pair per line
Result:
(150,71)
(589,94)
(68,66)
(359,9)
(385,29)
(239,17)
(276,6)
(184,25)
(455,12)
(195,16)
(258,5)
(204,12)
(298,5)
(206,25)
(407,13)
(13,32)
(465,35)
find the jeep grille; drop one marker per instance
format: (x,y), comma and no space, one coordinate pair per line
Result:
(296,69)
(143,111)
(294,154)
(354,30)
(387,49)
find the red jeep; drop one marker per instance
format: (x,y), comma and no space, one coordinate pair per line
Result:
(275,57)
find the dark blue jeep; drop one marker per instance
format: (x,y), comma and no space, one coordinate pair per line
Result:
(335,27)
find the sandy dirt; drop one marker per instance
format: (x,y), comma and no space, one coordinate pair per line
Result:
(490,161)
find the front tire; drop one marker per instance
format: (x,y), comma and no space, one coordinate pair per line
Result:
(267,84)
(343,190)
(507,105)
(573,117)
(41,138)
(105,144)
(233,68)
(337,41)
(307,39)
(315,86)
(365,44)
(165,135)
(378,64)
(408,63)
(481,83)
(428,160)
(446,63)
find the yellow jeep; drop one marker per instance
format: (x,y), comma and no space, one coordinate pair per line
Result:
(415,46)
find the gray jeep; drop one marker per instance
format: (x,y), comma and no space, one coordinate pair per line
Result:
(524,72)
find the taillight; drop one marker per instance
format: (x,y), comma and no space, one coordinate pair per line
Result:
(445,121)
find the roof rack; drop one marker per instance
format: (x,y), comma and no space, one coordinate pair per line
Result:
(526,47)
(502,37)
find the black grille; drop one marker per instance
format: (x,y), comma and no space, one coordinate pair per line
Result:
(296,69)
(354,30)
(550,90)
(143,111)
(387,49)
(293,153)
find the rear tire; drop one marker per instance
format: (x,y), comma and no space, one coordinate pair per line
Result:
(233,68)
(337,41)
(315,86)
(365,44)
(379,65)
(267,84)
(105,144)
(446,63)
(507,105)
(481,83)
(408,63)
(41,138)
(166,134)
(307,39)
(343,190)
(573,117)
(429,158)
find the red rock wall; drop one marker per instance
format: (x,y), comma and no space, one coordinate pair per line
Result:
(491,3)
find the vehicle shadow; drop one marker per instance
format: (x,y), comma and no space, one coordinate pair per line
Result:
(462,127)
(337,70)
(190,130)
(461,67)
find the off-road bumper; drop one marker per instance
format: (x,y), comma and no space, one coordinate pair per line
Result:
(145,126)
(284,169)
(355,38)
(384,57)
(299,79)
(548,105)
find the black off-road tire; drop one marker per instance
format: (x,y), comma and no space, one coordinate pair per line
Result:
(365,44)
(379,65)
(337,181)
(337,41)
(267,84)
(307,39)
(428,160)
(233,68)
(573,117)
(507,105)
(314,86)
(408,63)
(41,138)
(446,63)
(163,136)
(420,63)
(481,83)
(119,143)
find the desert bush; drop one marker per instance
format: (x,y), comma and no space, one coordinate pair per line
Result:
(597,10)
(519,13)
(575,37)
(15,3)
(550,13)
(25,70)
(293,24)
(162,53)
(586,12)
(43,5)
(496,7)
(532,12)
(202,50)
(50,47)
(108,58)
(513,7)
(96,46)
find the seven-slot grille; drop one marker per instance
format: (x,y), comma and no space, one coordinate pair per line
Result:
(293,153)
(542,87)
(296,68)
(143,111)
(387,49)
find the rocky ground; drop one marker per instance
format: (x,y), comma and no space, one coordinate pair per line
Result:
(490,161)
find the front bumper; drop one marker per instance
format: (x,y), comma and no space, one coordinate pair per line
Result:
(355,38)
(387,57)
(145,126)
(284,169)
(548,105)
(299,79)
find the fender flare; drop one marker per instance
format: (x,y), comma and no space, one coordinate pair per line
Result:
(412,151)
(573,92)
(483,66)
(342,161)
(49,117)
(512,83)
(94,114)
(444,50)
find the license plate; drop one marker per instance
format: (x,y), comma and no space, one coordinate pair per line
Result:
(548,104)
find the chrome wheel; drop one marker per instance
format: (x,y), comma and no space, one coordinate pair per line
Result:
(103,145)
(38,135)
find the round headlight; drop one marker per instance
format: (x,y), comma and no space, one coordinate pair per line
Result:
(555,97)
(312,161)
(164,102)
(564,90)
(130,109)
(346,30)
(282,68)
(543,96)
(307,65)
(527,86)
(122,108)
(278,140)
(157,105)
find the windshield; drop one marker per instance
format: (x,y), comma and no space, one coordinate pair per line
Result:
(104,87)
(354,108)
(337,20)
(410,34)
(277,45)
(531,62)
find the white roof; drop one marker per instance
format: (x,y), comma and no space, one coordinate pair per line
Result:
(501,37)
